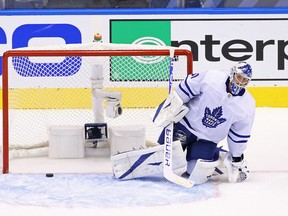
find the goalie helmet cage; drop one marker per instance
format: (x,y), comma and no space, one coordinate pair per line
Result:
(31,95)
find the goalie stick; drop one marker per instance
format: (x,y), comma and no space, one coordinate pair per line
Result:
(167,161)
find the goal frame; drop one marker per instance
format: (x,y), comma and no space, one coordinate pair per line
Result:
(84,53)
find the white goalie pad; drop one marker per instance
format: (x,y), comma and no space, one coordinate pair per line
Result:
(203,170)
(145,162)
(171,110)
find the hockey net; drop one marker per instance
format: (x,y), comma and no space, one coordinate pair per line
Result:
(44,86)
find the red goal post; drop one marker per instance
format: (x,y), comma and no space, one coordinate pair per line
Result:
(9,63)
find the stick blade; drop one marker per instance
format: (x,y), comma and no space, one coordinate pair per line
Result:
(179,180)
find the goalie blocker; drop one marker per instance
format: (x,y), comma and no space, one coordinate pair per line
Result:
(145,162)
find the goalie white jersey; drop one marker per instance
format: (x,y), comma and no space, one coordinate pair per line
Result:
(212,116)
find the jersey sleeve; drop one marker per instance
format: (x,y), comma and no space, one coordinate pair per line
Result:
(190,87)
(240,133)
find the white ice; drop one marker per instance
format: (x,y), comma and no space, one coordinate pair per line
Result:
(266,193)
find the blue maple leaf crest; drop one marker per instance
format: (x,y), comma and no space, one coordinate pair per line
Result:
(212,120)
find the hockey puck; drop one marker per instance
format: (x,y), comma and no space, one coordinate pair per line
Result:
(49,174)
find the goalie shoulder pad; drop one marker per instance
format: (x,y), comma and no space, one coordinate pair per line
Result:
(170,110)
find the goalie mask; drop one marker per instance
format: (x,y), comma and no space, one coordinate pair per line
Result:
(240,76)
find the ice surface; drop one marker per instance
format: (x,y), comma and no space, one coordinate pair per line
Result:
(97,193)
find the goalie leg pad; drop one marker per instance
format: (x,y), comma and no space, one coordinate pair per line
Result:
(145,162)
(202,170)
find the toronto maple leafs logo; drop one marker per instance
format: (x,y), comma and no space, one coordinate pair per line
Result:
(212,120)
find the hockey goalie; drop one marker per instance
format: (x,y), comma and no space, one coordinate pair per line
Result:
(205,109)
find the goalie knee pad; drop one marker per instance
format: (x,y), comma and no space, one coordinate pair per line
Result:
(202,170)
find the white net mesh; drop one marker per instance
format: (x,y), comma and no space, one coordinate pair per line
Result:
(56,90)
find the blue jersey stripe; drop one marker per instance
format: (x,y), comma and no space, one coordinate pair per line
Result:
(238,135)
(137,163)
(239,141)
